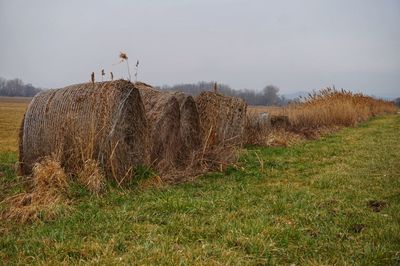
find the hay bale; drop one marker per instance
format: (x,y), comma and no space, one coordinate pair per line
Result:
(222,118)
(190,122)
(163,115)
(102,121)
(174,125)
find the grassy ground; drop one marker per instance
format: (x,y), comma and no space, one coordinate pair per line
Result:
(331,201)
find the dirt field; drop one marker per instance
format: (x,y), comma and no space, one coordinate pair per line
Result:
(11,112)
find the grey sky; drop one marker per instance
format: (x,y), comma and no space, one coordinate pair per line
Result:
(296,45)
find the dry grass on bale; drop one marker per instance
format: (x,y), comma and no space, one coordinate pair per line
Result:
(163,115)
(91,176)
(222,118)
(190,131)
(49,184)
(174,128)
(86,168)
(178,130)
(221,121)
(104,121)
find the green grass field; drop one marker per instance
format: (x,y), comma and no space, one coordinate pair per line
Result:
(331,201)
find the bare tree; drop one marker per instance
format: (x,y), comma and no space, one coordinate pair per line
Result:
(15,87)
(268,96)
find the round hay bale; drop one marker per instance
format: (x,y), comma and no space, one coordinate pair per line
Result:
(174,122)
(163,114)
(222,118)
(190,122)
(101,121)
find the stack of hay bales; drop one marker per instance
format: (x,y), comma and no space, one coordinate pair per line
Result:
(222,118)
(119,125)
(173,124)
(102,121)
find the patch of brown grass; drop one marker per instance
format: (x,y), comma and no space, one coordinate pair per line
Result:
(264,134)
(45,197)
(152,182)
(212,156)
(318,114)
(335,108)
(91,176)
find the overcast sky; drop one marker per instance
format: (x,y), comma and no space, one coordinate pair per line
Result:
(295,45)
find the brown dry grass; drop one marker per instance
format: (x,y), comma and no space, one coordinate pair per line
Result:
(210,158)
(49,184)
(336,108)
(91,176)
(222,117)
(82,162)
(261,134)
(318,114)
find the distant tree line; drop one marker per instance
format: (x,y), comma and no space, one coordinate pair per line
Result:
(16,87)
(269,95)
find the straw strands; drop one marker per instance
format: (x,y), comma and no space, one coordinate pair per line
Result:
(173,125)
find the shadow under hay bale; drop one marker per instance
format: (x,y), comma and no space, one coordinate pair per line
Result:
(102,121)
(222,118)
(174,126)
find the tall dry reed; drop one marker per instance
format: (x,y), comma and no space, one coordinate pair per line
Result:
(336,108)
(318,113)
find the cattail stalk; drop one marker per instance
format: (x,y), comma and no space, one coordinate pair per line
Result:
(137,69)
(123,57)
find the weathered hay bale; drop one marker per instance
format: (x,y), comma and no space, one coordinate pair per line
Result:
(102,121)
(174,125)
(163,114)
(190,122)
(222,118)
